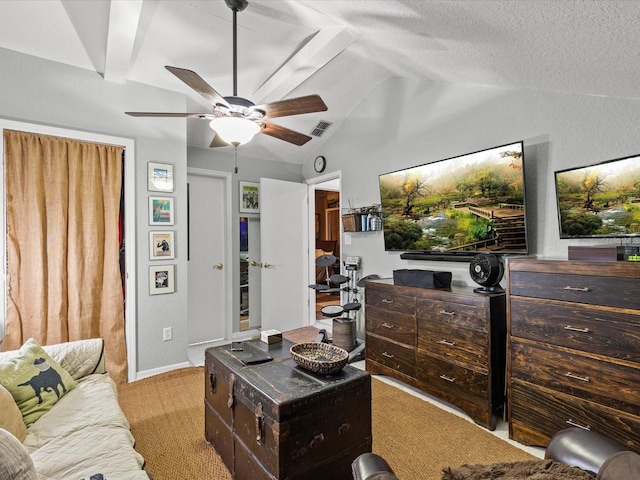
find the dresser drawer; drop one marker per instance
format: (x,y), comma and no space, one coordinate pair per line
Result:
(588,378)
(537,413)
(392,355)
(460,345)
(589,289)
(383,296)
(450,379)
(398,327)
(602,331)
(462,387)
(450,313)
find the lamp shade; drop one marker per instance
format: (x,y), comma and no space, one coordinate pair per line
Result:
(234,130)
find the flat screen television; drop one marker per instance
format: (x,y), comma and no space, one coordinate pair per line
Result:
(454,208)
(600,200)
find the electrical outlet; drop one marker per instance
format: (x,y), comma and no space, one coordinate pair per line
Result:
(167,334)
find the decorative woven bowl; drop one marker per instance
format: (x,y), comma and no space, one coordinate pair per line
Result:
(319,357)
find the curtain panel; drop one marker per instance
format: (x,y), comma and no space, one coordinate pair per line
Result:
(63,271)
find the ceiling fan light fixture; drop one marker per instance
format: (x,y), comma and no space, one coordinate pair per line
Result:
(234,130)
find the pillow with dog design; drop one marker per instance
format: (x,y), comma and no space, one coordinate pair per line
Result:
(35,380)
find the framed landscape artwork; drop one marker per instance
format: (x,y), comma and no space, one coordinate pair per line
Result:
(159,177)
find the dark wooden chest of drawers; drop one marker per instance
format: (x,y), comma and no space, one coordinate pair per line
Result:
(574,349)
(449,343)
(274,420)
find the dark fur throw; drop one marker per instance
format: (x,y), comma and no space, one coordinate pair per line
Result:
(529,470)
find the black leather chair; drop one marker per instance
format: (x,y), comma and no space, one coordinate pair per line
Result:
(573,446)
(370,466)
(581,448)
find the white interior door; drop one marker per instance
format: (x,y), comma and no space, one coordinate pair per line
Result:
(284,240)
(255,302)
(210,272)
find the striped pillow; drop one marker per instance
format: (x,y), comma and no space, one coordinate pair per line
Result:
(16,462)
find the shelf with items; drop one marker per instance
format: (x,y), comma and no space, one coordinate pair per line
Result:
(363,219)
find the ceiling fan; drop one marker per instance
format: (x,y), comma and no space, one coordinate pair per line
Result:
(234,119)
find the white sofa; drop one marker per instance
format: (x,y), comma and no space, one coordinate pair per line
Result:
(85,435)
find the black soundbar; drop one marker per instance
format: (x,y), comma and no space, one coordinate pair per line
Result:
(438,256)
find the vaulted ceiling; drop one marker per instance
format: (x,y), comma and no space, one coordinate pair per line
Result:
(339,49)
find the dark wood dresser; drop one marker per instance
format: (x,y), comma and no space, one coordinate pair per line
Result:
(449,343)
(574,349)
(273,420)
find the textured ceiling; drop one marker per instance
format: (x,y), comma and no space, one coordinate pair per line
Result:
(339,49)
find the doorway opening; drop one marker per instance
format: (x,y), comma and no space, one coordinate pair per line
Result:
(327,243)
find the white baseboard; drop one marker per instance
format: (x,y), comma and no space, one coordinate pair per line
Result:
(156,371)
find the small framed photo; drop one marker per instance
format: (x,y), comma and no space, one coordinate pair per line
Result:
(249,197)
(162,245)
(159,177)
(160,210)
(161,279)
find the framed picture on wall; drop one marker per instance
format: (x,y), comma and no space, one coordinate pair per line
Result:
(159,177)
(249,197)
(162,245)
(161,279)
(160,210)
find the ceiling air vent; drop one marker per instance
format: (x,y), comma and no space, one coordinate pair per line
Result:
(320,128)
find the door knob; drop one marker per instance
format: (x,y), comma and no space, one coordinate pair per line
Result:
(267,265)
(218,266)
(255,264)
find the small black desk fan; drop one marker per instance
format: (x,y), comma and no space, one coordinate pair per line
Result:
(486,269)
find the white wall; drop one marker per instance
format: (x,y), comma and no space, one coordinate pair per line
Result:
(43,92)
(404,123)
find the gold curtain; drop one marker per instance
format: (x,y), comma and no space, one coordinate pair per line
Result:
(64,281)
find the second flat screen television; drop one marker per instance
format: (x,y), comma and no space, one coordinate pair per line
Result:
(454,208)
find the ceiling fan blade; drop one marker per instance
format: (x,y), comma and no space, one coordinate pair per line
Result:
(218,142)
(208,116)
(283,133)
(292,106)
(196,82)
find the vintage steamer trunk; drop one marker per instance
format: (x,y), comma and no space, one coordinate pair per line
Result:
(274,420)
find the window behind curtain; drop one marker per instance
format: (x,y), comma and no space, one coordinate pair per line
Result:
(64,283)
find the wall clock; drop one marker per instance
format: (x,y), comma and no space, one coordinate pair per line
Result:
(319,164)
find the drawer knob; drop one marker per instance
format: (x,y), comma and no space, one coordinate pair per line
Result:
(444,312)
(575,424)
(388,355)
(388,325)
(577,377)
(445,342)
(577,289)
(448,379)
(384,300)
(576,329)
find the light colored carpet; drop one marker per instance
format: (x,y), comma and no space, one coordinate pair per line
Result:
(418,439)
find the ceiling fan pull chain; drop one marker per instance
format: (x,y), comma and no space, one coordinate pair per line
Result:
(235,149)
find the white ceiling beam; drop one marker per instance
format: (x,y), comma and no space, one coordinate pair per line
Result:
(124,16)
(324,46)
